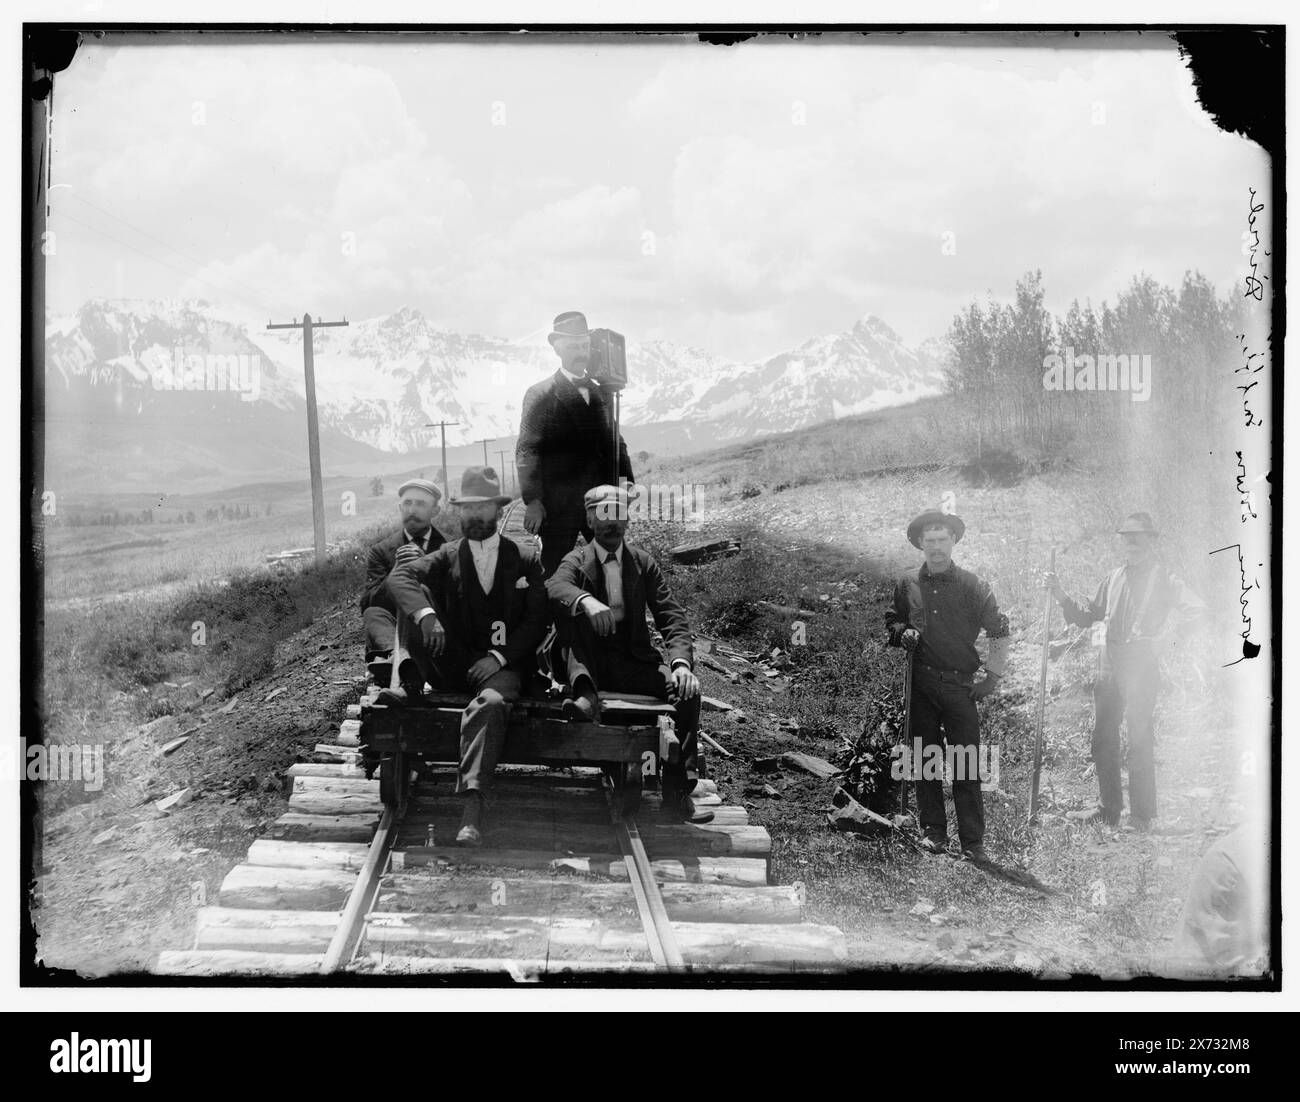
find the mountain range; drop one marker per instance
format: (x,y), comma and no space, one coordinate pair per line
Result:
(185,390)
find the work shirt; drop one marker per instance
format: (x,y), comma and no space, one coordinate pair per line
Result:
(1137,603)
(484,554)
(949,609)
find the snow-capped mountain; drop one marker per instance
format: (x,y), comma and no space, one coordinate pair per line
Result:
(139,394)
(381,381)
(864,369)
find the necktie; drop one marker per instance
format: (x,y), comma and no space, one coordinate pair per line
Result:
(614,586)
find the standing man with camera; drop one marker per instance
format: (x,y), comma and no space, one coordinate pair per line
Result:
(566,444)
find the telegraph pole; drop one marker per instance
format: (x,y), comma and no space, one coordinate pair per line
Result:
(486,461)
(446,491)
(502,456)
(313,428)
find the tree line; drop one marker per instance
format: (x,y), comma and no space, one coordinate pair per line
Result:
(1007,361)
(214,515)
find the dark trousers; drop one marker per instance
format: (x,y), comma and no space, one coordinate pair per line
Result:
(558,536)
(943,701)
(381,630)
(484,721)
(1126,689)
(612,669)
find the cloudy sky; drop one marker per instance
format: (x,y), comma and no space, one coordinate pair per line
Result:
(739,199)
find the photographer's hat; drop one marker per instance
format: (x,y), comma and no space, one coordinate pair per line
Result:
(480,484)
(1138,523)
(420,484)
(932,518)
(569,324)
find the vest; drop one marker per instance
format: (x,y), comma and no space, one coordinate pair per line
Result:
(484,611)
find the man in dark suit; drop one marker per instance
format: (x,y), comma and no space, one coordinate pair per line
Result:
(486,619)
(566,444)
(599,595)
(417,499)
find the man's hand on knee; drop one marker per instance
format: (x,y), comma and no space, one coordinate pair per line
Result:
(684,683)
(599,616)
(433,635)
(483,669)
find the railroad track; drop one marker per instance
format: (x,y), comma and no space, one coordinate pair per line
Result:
(562,885)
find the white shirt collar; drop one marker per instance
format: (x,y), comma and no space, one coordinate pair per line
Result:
(602,555)
(484,547)
(576,380)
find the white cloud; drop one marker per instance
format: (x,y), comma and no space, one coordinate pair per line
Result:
(789,187)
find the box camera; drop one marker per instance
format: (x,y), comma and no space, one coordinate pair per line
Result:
(608,362)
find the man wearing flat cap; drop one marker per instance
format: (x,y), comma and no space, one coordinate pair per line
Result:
(474,612)
(1141,610)
(417,501)
(938,611)
(599,595)
(566,444)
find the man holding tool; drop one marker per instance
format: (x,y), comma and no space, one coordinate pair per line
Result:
(938,611)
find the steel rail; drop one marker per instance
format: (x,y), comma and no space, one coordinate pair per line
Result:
(347,937)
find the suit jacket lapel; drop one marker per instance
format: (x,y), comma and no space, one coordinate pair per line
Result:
(591,568)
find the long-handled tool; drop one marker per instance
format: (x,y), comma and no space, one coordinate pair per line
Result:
(1042,697)
(907,726)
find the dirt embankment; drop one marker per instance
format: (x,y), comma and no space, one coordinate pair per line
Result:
(121,880)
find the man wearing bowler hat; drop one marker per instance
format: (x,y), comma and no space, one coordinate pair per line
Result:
(417,501)
(599,595)
(1141,610)
(938,612)
(566,444)
(476,610)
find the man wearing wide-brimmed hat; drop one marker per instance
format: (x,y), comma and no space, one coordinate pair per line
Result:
(476,612)
(938,611)
(1141,610)
(417,501)
(566,443)
(599,595)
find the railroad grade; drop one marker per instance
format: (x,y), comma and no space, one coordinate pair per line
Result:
(564,882)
